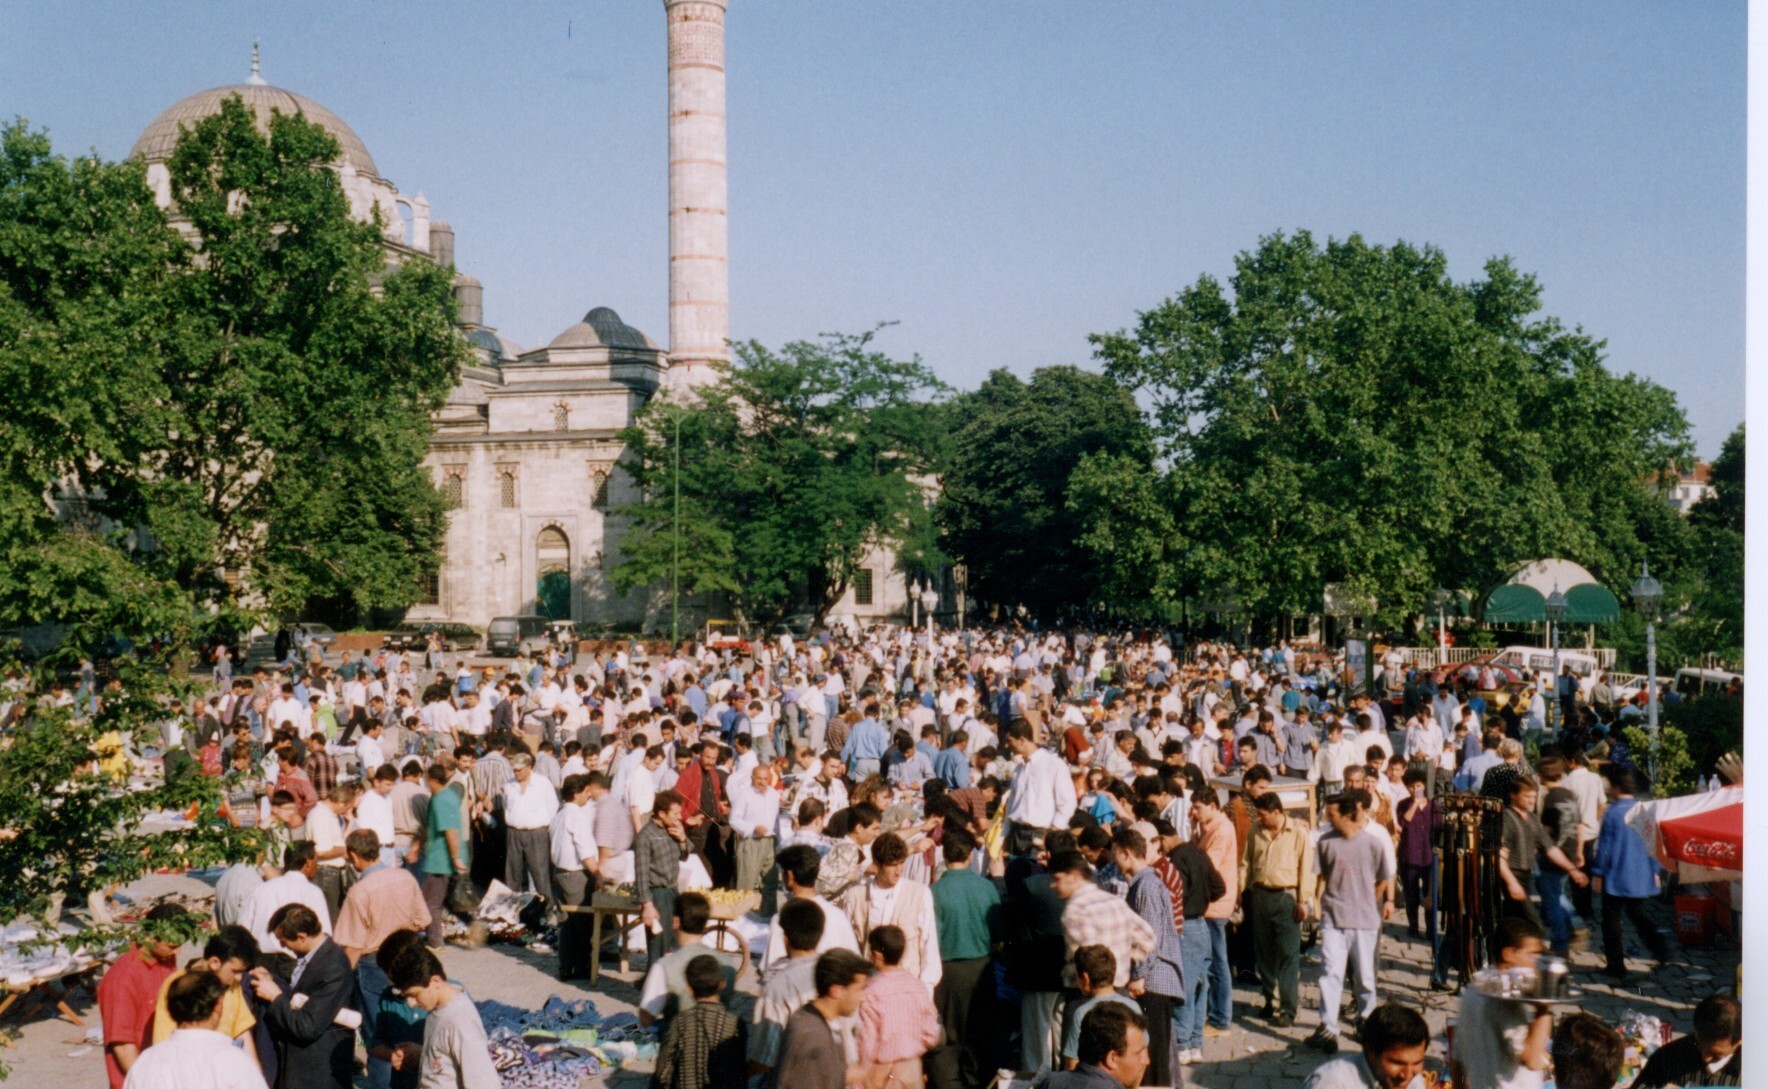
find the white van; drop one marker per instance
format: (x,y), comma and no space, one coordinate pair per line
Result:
(1696,682)
(1539,661)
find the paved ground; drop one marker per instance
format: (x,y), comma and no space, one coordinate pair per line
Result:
(51,1052)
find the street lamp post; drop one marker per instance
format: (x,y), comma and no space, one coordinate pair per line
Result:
(675,558)
(1440,598)
(1555,609)
(1648,599)
(929,601)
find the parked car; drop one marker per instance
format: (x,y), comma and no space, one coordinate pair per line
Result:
(319,633)
(798,626)
(415,637)
(511,635)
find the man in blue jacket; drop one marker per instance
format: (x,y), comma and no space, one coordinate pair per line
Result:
(1626,875)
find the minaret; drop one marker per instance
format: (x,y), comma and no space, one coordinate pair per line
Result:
(699,269)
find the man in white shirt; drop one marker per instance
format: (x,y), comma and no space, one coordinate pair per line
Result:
(369,753)
(1369,736)
(474,715)
(1337,754)
(1425,741)
(1042,795)
(575,863)
(295,886)
(196,1052)
(1447,709)
(286,710)
(374,811)
(529,805)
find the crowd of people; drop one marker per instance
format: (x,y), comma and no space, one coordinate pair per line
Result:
(1049,852)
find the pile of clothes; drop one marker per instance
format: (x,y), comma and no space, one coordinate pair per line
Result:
(30,956)
(516,918)
(1643,1034)
(557,1045)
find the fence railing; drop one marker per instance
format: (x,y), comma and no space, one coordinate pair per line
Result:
(1426,657)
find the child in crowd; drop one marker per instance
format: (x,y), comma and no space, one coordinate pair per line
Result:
(897,1022)
(705,1046)
(1095,970)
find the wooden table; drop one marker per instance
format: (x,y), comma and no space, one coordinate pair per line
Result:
(624,910)
(56,989)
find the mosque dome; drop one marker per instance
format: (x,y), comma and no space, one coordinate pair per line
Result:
(161,136)
(602,328)
(498,348)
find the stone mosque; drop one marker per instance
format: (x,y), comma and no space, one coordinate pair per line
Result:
(526,446)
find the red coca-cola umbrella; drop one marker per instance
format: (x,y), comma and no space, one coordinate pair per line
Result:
(1700,836)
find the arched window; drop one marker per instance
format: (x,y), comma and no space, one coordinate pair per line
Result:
(506,484)
(599,472)
(561,417)
(454,486)
(430,587)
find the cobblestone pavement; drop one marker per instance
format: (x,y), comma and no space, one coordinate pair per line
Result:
(1252,1055)
(1255,1055)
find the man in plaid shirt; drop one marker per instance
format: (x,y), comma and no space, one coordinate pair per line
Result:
(704,1046)
(1093,916)
(322,766)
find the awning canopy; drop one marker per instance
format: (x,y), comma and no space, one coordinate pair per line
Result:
(1591,604)
(1512,603)
(1700,836)
(1521,603)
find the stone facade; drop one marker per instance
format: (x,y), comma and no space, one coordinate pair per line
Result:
(527,448)
(527,444)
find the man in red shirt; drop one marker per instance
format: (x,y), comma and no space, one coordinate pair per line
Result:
(127,993)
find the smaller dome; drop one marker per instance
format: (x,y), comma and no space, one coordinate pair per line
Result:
(490,342)
(602,328)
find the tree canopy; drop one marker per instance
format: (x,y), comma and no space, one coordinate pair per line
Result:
(1005,510)
(1348,413)
(237,397)
(794,463)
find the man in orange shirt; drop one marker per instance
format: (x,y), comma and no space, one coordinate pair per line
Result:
(384,899)
(1213,832)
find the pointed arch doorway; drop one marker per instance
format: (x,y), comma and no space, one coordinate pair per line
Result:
(552,560)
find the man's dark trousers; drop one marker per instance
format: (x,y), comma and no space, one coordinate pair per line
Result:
(964,997)
(1613,947)
(1276,937)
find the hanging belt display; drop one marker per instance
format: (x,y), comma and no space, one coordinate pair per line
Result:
(1471,891)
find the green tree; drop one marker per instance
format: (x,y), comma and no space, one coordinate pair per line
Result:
(794,463)
(1005,507)
(1128,537)
(1349,414)
(244,388)
(1715,602)
(86,835)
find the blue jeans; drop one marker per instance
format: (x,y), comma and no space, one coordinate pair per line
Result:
(1556,907)
(1221,977)
(1188,1016)
(371,981)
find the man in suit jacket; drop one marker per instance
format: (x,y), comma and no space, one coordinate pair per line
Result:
(313,1048)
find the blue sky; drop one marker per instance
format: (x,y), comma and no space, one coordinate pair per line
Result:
(1005,178)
